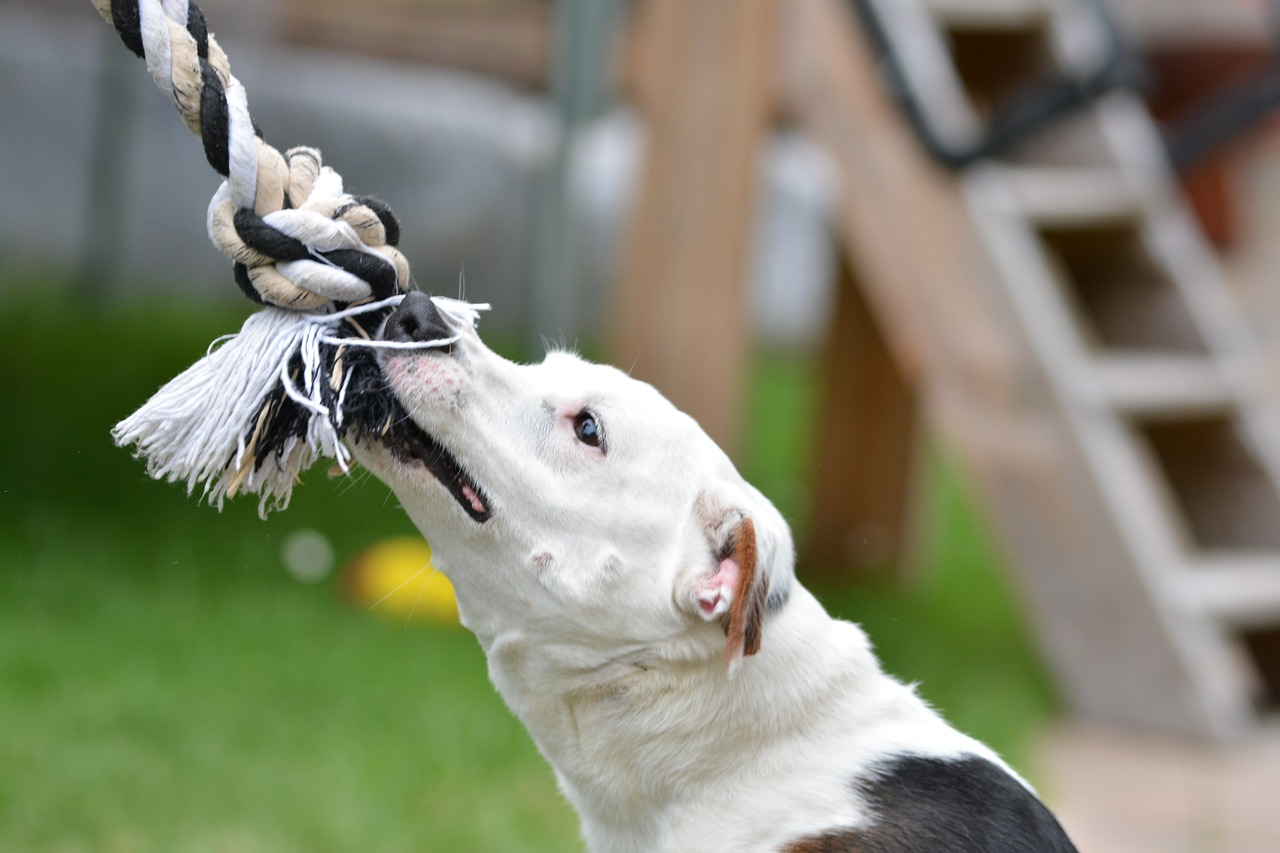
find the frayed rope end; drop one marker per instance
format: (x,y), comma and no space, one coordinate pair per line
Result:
(263,406)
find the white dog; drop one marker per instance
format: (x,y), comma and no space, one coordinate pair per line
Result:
(637,604)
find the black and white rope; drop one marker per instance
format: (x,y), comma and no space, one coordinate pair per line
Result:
(300,377)
(297,238)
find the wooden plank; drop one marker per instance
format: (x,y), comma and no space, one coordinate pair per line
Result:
(1178,22)
(1241,589)
(703,76)
(1063,197)
(1013,14)
(900,215)
(509,39)
(866,448)
(1147,385)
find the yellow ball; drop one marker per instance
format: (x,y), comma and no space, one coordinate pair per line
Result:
(395,578)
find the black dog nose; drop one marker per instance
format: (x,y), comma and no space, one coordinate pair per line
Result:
(416,318)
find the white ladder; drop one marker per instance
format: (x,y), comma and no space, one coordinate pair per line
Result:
(1169,615)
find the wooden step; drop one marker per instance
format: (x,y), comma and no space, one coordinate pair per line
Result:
(1072,196)
(1240,589)
(1145,385)
(988,14)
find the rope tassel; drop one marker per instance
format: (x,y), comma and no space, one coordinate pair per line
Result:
(265,404)
(300,376)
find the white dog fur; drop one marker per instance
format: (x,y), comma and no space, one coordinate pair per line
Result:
(621,582)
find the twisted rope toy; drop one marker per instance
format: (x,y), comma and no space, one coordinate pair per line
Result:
(299,376)
(296,239)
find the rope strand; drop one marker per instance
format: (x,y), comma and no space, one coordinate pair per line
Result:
(192,70)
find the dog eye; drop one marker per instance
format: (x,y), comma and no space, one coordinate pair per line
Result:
(587,429)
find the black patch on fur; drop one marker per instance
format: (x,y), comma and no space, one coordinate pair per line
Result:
(777,599)
(921,804)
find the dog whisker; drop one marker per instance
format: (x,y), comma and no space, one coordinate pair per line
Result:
(422,589)
(401,586)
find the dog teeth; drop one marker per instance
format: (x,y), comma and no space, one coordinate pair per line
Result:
(470,494)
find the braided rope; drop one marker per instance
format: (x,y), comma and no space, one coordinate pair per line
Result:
(301,376)
(296,238)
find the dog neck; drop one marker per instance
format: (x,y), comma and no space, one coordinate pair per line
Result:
(647,730)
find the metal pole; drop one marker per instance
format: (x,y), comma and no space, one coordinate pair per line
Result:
(580,86)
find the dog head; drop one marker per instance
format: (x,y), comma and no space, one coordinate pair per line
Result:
(572,503)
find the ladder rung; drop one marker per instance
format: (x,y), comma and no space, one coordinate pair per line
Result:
(991,14)
(1072,196)
(1241,590)
(1161,384)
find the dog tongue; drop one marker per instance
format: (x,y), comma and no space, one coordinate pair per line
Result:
(470,494)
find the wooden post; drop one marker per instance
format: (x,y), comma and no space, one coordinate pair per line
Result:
(866,443)
(703,73)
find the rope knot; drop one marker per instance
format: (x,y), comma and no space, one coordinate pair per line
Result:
(297,239)
(307,242)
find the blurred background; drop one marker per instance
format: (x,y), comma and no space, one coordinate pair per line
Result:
(981,293)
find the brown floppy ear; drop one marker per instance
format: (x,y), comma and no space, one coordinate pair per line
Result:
(736,594)
(746,614)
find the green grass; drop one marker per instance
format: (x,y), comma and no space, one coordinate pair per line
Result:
(165,685)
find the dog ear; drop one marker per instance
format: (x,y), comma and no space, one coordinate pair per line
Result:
(738,592)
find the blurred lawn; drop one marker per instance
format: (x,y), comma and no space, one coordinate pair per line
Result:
(165,685)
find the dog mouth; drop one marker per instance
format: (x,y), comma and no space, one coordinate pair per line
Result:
(376,414)
(412,445)
(373,411)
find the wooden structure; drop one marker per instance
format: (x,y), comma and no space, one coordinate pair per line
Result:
(508,39)
(1055,315)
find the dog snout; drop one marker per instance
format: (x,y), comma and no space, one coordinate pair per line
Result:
(416,319)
